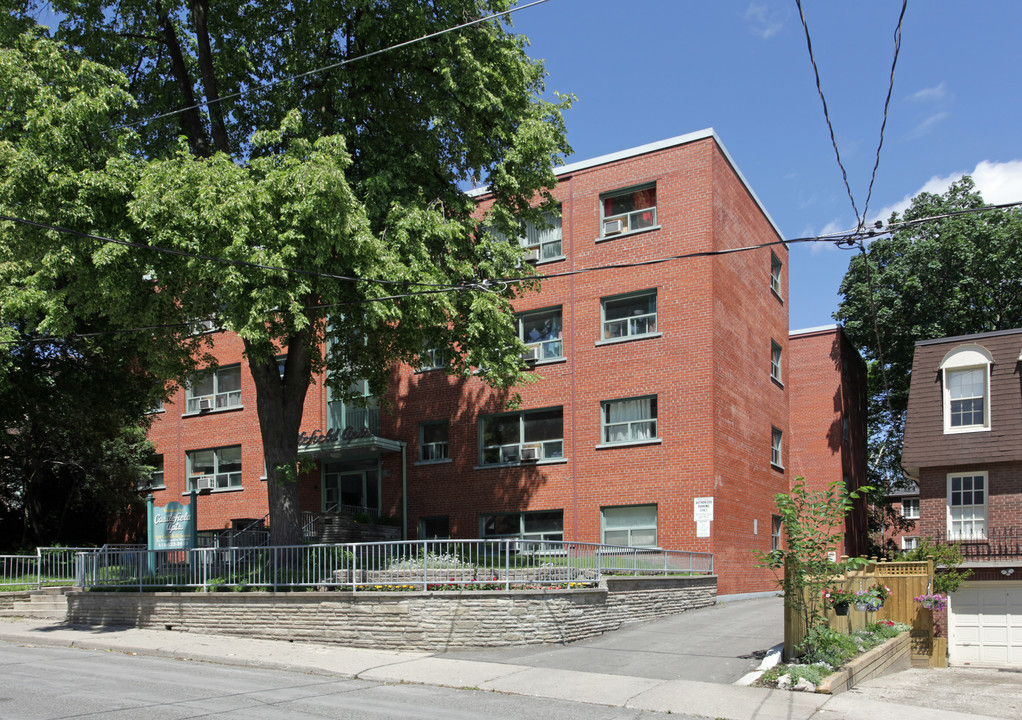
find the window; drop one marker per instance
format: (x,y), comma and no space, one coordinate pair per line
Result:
(627,211)
(155,479)
(434,528)
(156,408)
(776,455)
(909,543)
(910,508)
(354,414)
(541,333)
(545,525)
(629,315)
(966,371)
(218,469)
(775,274)
(543,243)
(627,421)
(433,441)
(775,532)
(631,525)
(431,359)
(775,362)
(525,436)
(967,507)
(217,390)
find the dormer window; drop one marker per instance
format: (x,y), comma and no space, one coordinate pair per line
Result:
(966,378)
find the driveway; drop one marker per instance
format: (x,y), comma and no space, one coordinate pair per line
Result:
(717,644)
(992,693)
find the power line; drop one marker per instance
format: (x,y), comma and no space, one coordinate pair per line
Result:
(826,113)
(887,103)
(271,83)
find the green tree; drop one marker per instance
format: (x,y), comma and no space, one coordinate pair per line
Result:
(956,275)
(812,522)
(354,177)
(73,450)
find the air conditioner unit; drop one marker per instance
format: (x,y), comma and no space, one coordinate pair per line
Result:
(532,256)
(530,354)
(613,227)
(204,483)
(530,454)
(205,405)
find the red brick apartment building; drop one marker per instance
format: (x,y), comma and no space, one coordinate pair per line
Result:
(963,447)
(656,385)
(828,420)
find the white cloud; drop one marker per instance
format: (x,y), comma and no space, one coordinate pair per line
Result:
(834,226)
(763,22)
(929,94)
(924,127)
(997,182)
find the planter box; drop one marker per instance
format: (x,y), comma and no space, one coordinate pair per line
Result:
(893,656)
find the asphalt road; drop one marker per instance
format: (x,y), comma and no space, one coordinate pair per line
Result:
(48,683)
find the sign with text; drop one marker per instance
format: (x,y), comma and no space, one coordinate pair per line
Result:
(171,527)
(703,508)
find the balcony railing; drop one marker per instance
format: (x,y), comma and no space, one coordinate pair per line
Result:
(997,544)
(344,416)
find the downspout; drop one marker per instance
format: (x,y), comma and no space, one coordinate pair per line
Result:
(404,490)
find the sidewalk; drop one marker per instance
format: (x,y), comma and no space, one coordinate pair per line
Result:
(685,697)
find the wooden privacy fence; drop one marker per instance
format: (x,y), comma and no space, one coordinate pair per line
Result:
(907,580)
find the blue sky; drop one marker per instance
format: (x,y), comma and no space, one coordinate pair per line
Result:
(645,70)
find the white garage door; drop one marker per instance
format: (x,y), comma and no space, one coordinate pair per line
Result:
(986,625)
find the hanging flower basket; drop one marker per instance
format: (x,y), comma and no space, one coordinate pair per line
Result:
(872,599)
(841,608)
(935,602)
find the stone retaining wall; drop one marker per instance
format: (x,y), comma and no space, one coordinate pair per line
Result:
(7,599)
(403,620)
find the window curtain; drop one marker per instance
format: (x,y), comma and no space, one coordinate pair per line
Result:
(630,411)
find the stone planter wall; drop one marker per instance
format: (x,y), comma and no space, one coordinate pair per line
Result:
(7,599)
(893,656)
(402,620)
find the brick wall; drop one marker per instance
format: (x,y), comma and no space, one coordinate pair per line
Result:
(401,620)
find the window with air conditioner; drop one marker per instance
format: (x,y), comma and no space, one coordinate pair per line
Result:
(433,441)
(630,525)
(541,332)
(539,243)
(216,390)
(625,211)
(630,420)
(532,435)
(216,469)
(629,316)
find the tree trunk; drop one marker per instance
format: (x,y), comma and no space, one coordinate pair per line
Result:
(279,403)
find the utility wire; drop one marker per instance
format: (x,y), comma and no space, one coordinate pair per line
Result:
(826,113)
(887,103)
(271,83)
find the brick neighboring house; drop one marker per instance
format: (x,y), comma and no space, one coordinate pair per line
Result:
(905,503)
(828,420)
(963,446)
(658,385)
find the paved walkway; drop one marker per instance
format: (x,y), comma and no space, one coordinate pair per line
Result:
(542,673)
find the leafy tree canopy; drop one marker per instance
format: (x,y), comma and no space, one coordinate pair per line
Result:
(326,193)
(956,275)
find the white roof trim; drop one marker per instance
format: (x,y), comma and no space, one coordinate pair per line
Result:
(966,356)
(818,328)
(650,148)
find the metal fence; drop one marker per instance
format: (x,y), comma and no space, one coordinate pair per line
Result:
(411,565)
(50,566)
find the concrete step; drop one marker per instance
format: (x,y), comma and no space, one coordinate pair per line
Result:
(40,605)
(46,614)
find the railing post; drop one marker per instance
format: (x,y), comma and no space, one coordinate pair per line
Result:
(507,564)
(273,568)
(38,567)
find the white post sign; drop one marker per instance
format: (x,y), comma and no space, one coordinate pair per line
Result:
(703,515)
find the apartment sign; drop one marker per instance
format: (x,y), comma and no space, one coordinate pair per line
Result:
(318,437)
(171,527)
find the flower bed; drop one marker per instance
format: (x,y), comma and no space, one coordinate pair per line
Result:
(834,659)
